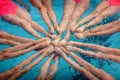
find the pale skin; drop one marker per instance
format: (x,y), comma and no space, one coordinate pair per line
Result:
(53,69)
(22,46)
(23,19)
(18,71)
(79,9)
(97,72)
(102,11)
(102,6)
(96,54)
(94,14)
(48,4)
(8,42)
(45,68)
(106,29)
(8,36)
(106,13)
(79,68)
(45,53)
(18,67)
(103,49)
(21,52)
(68,10)
(44,12)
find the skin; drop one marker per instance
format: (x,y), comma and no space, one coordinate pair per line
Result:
(16,19)
(108,12)
(100,8)
(103,49)
(7,74)
(21,52)
(18,71)
(106,29)
(97,54)
(53,69)
(48,51)
(80,69)
(97,72)
(23,14)
(48,4)
(22,46)
(8,42)
(43,11)
(45,68)
(79,9)
(68,11)
(8,36)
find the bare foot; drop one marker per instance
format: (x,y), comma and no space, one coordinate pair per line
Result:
(72,29)
(63,42)
(80,30)
(61,29)
(79,35)
(57,29)
(55,42)
(51,31)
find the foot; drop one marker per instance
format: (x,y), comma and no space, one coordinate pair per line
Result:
(63,42)
(57,29)
(55,42)
(61,29)
(80,30)
(51,31)
(73,29)
(79,35)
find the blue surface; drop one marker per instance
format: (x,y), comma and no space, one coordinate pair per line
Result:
(65,71)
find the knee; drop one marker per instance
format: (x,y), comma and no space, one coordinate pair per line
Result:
(24,23)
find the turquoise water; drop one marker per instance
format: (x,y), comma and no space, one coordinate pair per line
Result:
(65,71)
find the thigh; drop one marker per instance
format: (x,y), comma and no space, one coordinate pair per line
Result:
(13,19)
(23,14)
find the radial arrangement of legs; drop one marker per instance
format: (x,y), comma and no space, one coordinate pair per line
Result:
(54,48)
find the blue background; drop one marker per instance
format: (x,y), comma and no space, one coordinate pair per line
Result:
(65,71)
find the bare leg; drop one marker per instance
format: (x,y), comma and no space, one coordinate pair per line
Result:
(53,69)
(68,10)
(48,4)
(8,36)
(36,26)
(45,68)
(80,8)
(14,19)
(106,32)
(8,42)
(7,74)
(96,54)
(82,70)
(97,72)
(43,11)
(100,8)
(21,52)
(21,46)
(103,49)
(49,50)
(104,27)
(108,12)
